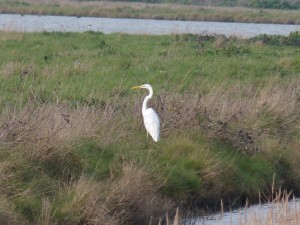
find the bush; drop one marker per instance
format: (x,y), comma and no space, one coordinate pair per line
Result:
(293,39)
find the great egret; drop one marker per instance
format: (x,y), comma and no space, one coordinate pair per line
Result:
(151,120)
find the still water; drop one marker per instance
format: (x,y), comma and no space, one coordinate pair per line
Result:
(35,23)
(272,213)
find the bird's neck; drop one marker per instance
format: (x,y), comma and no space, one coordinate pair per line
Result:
(147,98)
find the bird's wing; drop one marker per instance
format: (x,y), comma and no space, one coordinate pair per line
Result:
(151,122)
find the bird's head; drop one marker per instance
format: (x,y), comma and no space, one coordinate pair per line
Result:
(144,86)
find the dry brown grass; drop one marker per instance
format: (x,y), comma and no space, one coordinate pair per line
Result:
(48,132)
(8,214)
(139,5)
(242,114)
(270,107)
(43,131)
(10,69)
(6,175)
(132,199)
(9,35)
(81,202)
(136,196)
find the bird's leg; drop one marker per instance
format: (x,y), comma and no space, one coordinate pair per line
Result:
(147,142)
(148,146)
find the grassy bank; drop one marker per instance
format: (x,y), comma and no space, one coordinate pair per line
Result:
(150,11)
(73,147)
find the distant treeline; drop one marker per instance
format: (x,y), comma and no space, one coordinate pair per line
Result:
(265,4)
(273,4)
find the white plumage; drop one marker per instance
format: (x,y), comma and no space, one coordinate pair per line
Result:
(151,119)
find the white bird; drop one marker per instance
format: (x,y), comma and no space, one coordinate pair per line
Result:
(151,120)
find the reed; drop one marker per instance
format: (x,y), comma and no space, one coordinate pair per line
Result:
(282,209)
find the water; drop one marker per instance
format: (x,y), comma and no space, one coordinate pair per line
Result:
(271,213)
(34,23)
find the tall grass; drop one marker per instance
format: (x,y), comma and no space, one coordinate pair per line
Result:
(73,147)
(283,210)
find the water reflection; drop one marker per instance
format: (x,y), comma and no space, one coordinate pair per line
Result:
(34,23)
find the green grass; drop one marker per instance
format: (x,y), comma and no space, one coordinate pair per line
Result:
(80,67)
(73,147)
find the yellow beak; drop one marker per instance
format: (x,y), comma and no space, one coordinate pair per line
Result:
(136,87)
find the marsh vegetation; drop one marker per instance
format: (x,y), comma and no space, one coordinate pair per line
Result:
(73,147)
